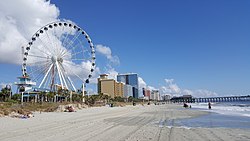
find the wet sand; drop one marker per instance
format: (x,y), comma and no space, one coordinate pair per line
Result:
(131,123)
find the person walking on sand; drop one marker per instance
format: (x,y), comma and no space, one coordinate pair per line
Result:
(209,105)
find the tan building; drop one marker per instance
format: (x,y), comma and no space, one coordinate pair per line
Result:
(109,86)
(119,90)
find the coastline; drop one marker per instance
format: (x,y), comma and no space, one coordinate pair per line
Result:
(149,122)
(215,120)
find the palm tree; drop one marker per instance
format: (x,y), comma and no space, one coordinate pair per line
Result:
(5,94)
(50,96)
(1,96)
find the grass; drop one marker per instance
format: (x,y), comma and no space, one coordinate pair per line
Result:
(27,108)
(7,108)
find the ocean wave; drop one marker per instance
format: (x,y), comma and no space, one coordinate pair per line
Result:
(238,109)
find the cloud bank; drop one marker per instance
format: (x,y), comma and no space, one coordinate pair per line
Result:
(173,89)
(19,20)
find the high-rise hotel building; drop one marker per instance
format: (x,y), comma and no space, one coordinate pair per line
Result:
(110,87)
(130,79)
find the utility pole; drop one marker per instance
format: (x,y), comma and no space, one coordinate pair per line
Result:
(22,98)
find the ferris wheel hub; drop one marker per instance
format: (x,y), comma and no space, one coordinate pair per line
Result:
(55,59)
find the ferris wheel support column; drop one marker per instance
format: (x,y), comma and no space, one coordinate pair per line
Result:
(45,76)
(59,73)
(71,93)
(83,92)
(72,84)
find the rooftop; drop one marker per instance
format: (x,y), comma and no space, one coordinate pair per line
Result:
(126,73)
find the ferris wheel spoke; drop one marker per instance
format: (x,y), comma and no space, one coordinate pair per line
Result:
(66,38)
(73,40)
(69,44)
(81,46)
(78,59)
(77,53)
(40,71)
(78,76)
(45,46)
(50,41)
(68,51)
(74,72)
(38,63)
(46,53)
(37,68)
(57,47)
(71,64)
(64,51)
(40,74)
(37,56)
(81,43)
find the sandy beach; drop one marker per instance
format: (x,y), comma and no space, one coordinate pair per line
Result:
(131,123)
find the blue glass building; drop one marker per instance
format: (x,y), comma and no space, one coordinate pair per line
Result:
(130,79)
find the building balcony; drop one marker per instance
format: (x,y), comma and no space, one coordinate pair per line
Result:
(25,83)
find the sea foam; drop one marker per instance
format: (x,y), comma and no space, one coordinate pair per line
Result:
(230,108)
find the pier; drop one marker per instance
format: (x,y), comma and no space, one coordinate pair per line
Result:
(223,99)
(210,99)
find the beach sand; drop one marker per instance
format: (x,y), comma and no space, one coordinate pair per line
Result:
(132,123)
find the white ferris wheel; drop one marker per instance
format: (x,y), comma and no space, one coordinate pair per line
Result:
(59,54)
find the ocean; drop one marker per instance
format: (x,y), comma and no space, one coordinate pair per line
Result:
(222,115)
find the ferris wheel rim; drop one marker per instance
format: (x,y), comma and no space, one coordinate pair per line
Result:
(53,25)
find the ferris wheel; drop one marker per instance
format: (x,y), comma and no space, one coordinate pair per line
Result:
(60,54)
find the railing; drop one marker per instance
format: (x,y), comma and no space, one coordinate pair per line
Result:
(25,83)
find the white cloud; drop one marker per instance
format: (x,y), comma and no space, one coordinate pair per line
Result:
(112,73)
(19,20)
(151,88)
(106,51)
(174,90)
(142,83)
(169,81)
(96,74)
(187,92)
(170,88)
(203,93)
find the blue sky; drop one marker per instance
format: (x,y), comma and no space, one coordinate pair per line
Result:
(199,44)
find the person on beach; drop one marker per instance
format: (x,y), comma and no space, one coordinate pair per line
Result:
(209,105)
(185,105)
